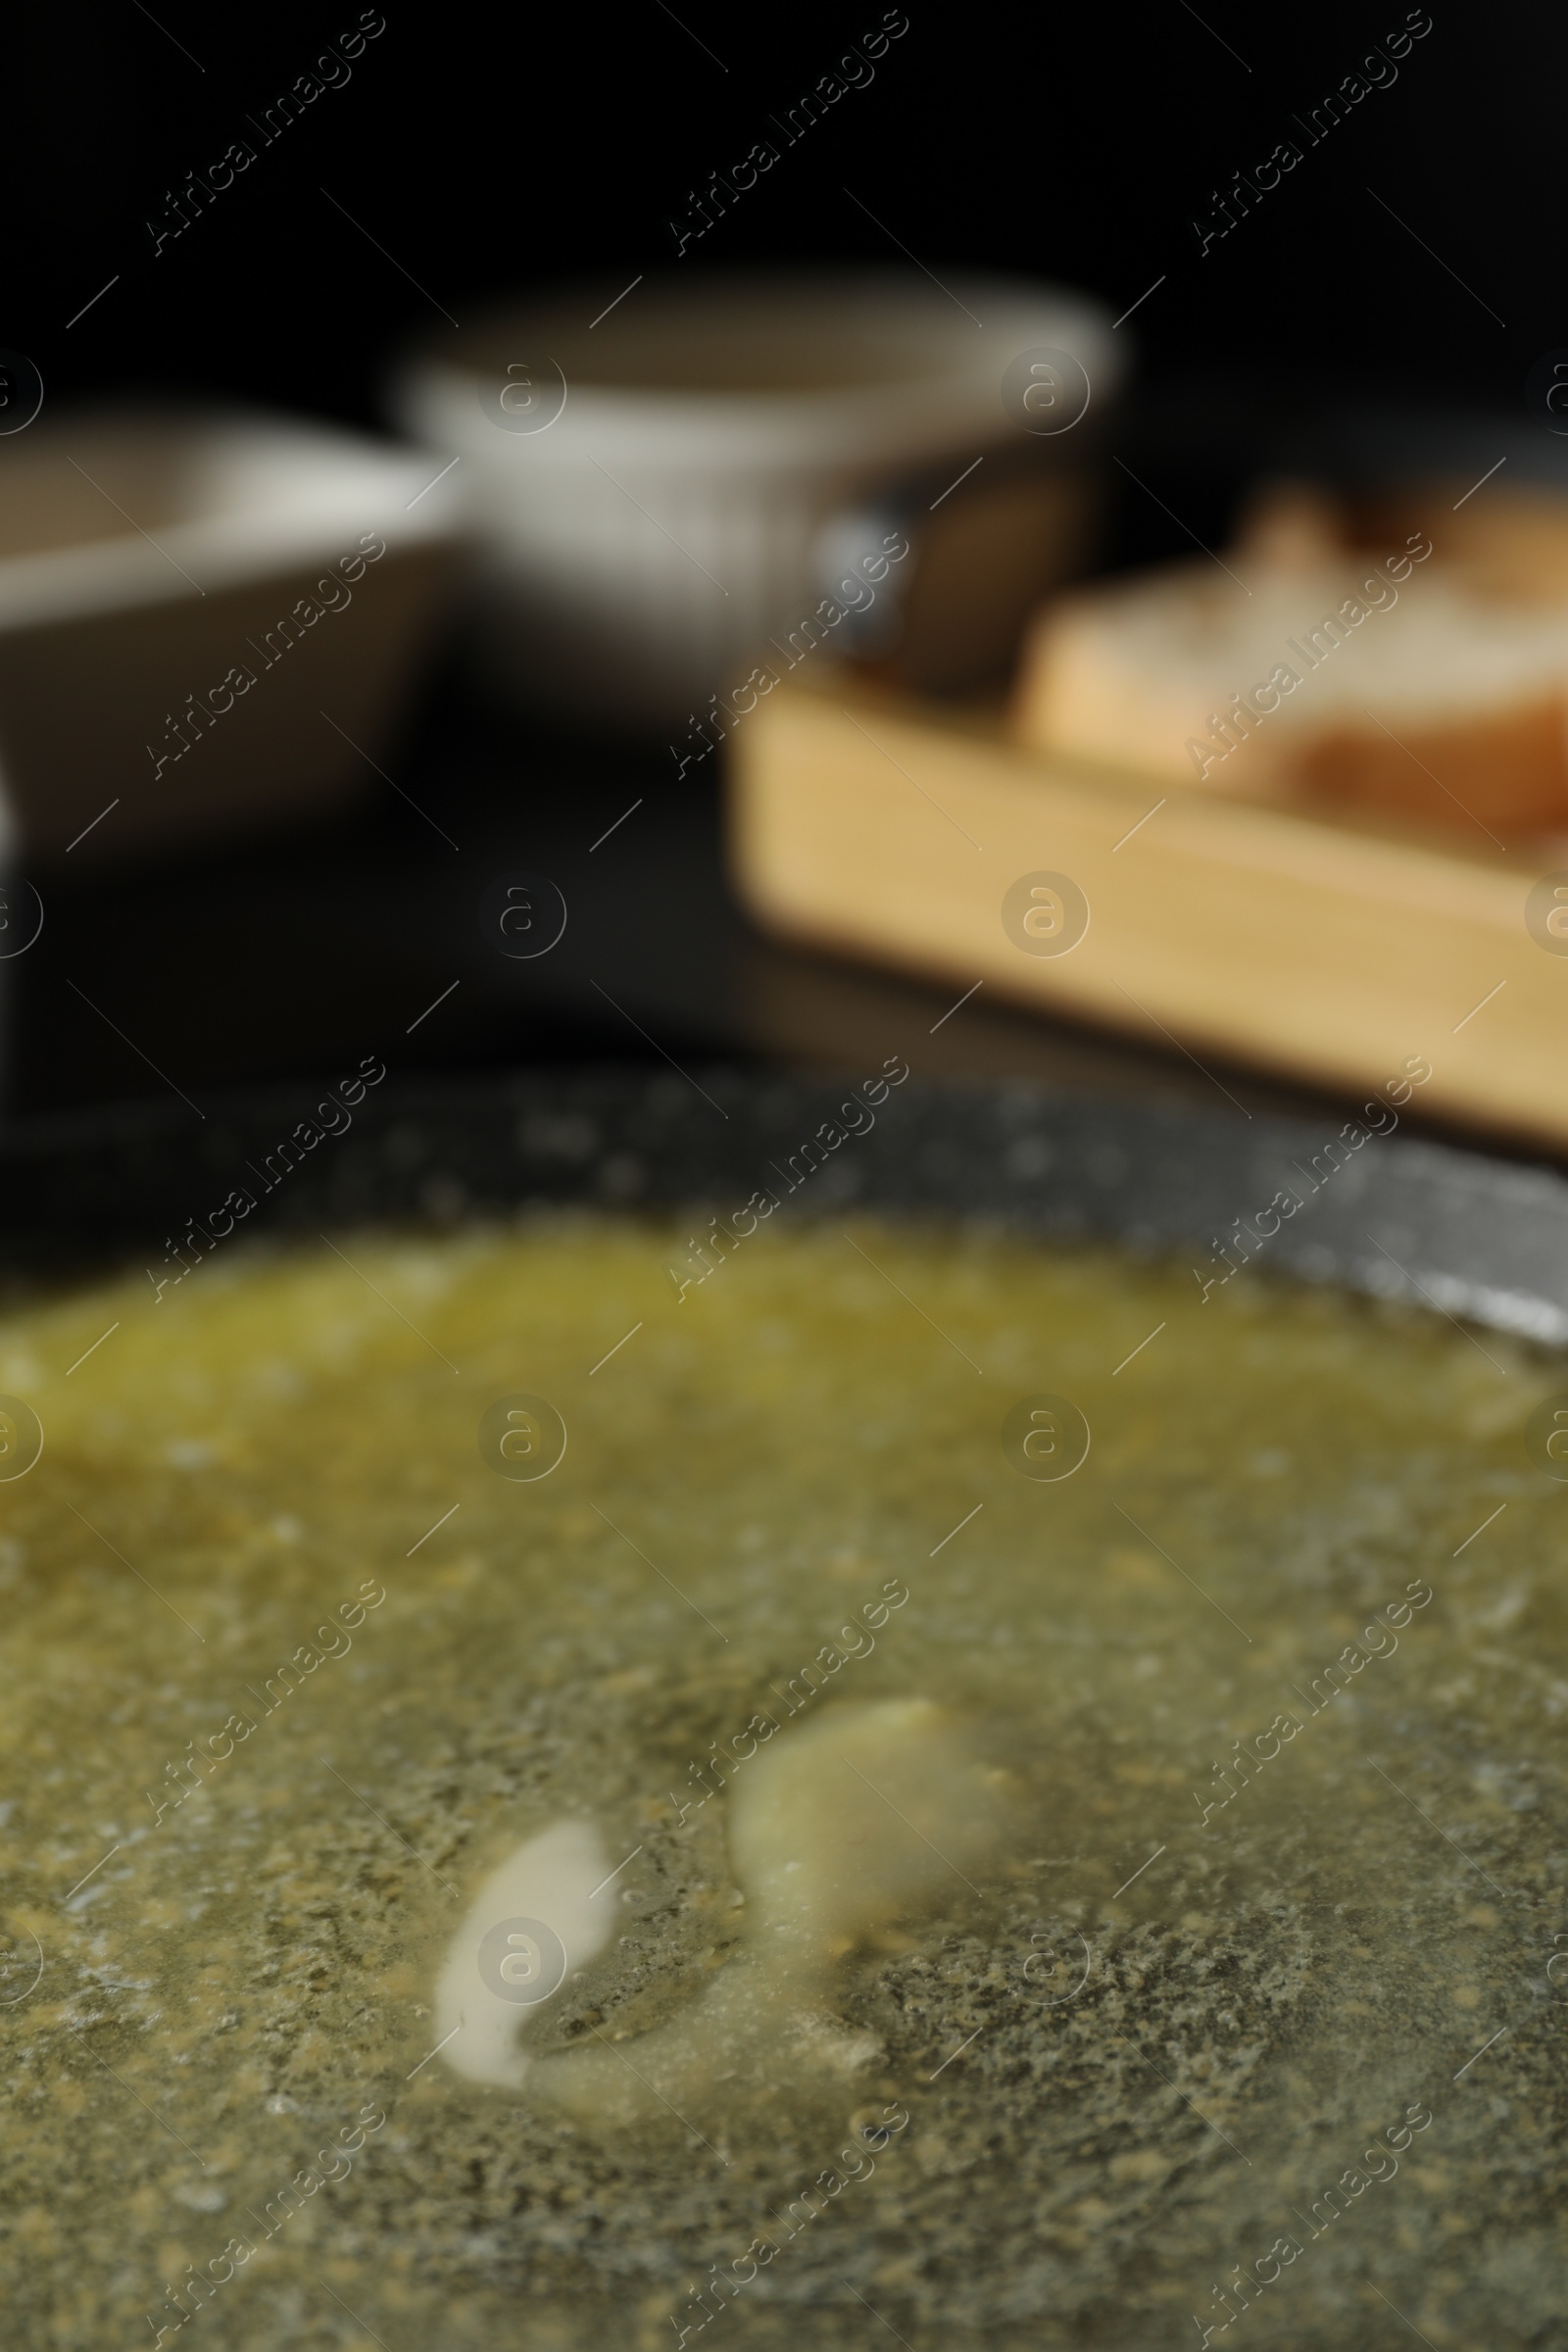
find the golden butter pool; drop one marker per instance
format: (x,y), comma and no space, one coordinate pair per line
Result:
(1117,1908)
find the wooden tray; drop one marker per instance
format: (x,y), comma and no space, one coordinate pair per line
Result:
(1332,951)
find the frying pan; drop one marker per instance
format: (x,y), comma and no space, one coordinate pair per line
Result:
(1425,1222)
(1467,1234)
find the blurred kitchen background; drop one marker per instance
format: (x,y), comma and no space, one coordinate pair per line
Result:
(1401,281)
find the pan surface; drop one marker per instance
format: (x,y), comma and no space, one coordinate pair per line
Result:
(1207,1954)
(1481,1238)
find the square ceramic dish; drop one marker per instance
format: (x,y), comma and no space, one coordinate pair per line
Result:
(208,622)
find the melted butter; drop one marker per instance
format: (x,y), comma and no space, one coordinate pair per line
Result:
(1190,1960)
(551,1882)
(823,1854)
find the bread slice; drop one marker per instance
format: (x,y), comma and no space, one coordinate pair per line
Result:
(1296,669)
(1510,540)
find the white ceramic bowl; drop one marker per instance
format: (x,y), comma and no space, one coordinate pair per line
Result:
(181,597)
(663,489)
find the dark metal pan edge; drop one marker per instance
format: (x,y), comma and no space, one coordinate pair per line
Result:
(1468,1236)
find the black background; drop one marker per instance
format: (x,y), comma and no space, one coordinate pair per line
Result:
(490,148)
